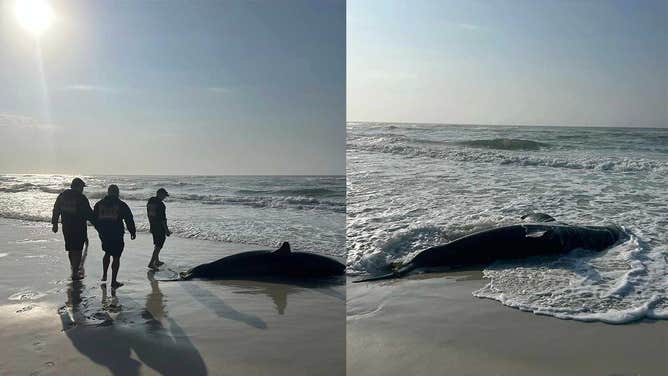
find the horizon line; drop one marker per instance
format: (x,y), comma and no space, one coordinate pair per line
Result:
(510,125)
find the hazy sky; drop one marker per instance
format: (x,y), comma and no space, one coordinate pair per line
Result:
(186,87)
(508,62)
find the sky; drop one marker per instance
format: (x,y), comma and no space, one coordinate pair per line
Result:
(520,62)
(175,87)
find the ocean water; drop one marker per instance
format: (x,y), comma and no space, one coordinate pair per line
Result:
(412,186)
(307,211)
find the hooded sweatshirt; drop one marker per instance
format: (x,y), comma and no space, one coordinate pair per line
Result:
(110,213)
(74,210)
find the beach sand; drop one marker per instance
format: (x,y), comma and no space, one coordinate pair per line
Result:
(50,325)
(431,324)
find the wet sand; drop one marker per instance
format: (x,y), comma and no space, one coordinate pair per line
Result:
(50,325)
(431,324)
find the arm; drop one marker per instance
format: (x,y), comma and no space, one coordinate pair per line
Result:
(129,221)
(164,227)
(164,220)
(88,212)
(55,215)
(96,212)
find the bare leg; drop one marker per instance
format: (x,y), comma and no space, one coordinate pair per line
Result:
(154,258)
(82,271)
(75,261)
(105,266)
(114,272)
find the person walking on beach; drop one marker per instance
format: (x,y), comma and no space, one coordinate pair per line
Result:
(157,218)
(110,213)
(73,208)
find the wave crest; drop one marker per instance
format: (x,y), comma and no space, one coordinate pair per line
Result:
(505,144)
(391,146)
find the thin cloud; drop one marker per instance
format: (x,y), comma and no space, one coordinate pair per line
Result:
(469,26)
(90,88)
(22,122)
(219,90)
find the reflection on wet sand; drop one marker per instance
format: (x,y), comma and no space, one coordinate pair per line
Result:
(220,308)
(279,290)
(108,333)
(155,301)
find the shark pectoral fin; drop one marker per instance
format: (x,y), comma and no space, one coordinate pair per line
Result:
(536,234)
(284,250)
(397,272)
(378,277)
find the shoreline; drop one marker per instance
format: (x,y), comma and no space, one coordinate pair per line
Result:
(433,322)
(151,326)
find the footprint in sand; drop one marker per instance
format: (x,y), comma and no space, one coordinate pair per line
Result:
(38,346)
(25,309)
(40,371)
(27,295)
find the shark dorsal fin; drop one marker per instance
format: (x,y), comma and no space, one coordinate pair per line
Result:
(283,250)
(537,217)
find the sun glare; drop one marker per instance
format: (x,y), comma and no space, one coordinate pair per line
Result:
(34,15)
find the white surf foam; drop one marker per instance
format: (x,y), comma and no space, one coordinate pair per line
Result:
(619,286)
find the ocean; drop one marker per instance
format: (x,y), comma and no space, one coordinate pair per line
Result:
(412,186)
(307,211)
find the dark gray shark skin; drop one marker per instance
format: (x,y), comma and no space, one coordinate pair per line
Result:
(511,242)
(262,264)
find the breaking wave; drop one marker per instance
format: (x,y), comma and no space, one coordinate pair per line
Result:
(505,144)
(254,198)
(393,145)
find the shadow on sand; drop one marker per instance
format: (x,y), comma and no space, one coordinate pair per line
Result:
(109,334)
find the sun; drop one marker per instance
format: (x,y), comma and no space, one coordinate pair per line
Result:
(34,15)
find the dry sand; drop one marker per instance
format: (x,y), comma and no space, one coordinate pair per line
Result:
(49,325)
(431,324)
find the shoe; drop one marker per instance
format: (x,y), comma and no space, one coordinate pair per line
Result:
(115,285)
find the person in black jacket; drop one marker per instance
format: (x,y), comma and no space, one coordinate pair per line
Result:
(73,208)
(157,219)
(110,213)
